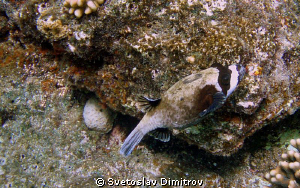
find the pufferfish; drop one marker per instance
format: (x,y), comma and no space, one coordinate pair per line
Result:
(185,103)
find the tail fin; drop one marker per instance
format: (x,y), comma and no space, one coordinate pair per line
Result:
(131,141)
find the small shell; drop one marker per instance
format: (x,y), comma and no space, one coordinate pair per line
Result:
(190,59)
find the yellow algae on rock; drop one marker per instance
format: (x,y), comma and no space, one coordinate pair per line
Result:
(51,28)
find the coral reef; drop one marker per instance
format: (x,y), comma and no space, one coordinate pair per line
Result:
(132,48)
(80,7)
(287,174)
(97,117)
(44,141)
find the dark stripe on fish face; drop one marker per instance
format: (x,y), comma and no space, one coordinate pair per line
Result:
(224,77)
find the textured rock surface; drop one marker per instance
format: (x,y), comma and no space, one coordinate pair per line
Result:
(130,48)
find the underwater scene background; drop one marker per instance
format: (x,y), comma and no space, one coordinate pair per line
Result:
(56,55)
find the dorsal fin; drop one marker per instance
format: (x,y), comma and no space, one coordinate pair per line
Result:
(148,103)
(162,134)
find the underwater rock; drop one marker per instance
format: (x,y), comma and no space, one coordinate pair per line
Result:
(126,49)
(44,141)
(96,117)
(3,25)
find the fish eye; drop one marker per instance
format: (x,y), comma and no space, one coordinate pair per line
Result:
(226,79)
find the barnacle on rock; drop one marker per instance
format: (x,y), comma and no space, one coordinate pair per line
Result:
(287,173)
(78,7)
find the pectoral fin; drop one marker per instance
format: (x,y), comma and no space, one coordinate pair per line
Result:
(148,103)
(218,100)
(162,134)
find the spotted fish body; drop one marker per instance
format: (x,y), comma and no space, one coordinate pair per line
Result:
(187,102)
